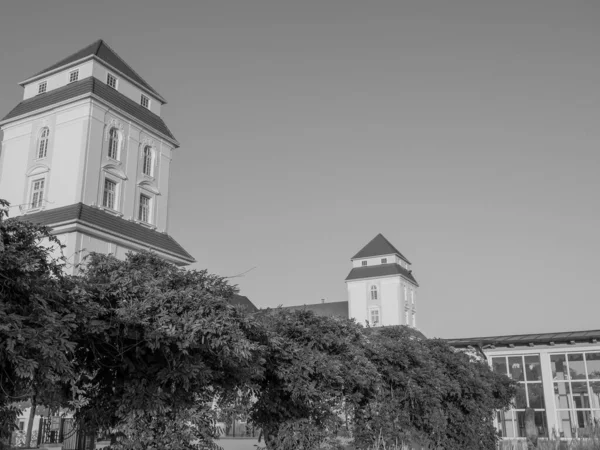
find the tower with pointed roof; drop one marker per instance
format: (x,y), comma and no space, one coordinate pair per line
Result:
(381,287)
(87,153)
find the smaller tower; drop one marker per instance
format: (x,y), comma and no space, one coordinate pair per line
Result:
(381,287)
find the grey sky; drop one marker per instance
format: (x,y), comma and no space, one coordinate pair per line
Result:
(464,131)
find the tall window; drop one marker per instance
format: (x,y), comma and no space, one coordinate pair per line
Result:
(110,194)
(526,370)
(111,80)
(37,193)
(113,144)
(147,161)
(144,212)
(73,76)
(373,292)
(42,87)
(43,143)
(576,392)
(375,316)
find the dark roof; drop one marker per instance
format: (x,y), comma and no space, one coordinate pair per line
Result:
(103,221)
(527,339)
(380,270)
(91,85)
(102,51)
(324,309)
(243,301)
(379,246)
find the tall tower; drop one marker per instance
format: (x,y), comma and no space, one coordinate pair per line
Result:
(381,287)
(87,153)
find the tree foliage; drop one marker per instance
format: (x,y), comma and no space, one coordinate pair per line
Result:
(430,394)
(37,318)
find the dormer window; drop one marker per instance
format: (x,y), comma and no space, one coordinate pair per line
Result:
(145,101)
(111,80)
(374,292)
(42,87)
(73,76)
(364,263)
(383,260)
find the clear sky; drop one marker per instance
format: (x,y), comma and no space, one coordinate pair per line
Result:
(464,131)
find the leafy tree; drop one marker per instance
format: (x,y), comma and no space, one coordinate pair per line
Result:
(161,344)
(313,366)
(430,394)
(37,319)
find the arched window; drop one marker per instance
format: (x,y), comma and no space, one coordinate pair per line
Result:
(113,144)
(43,143)
(373,292)
(147,161)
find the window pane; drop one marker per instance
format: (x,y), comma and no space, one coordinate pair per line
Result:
(515,366)
(576,366)
(561,395)
(541,423)
(580,394)
(559,367)
(520,415)
(536,395)
(593,365)
(506,424)
(499,365)
(532,368)
(520,398)
(583,422)
(595,394)
(565,425)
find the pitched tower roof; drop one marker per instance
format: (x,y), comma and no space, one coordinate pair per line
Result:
(102,51)
(379,246)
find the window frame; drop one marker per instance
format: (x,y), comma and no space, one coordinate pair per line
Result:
(383,260)
(38,203)
(71,73)
(145,97)
(115,194)
(148,208)
(110,76)
(148,161)
(378,313)
(363,263)
(43,140)
(374,291)
(42,87)
(114,143)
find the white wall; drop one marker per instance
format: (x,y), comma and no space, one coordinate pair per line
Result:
(374,261)
(58,79)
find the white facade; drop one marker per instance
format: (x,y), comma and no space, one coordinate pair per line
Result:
(85,149)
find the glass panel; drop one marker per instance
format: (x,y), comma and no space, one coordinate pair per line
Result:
(576,366)
(499,365)
(559,367)
(536,395)
(583,422)
(506,424)
(561,395)
(595,394)
(580,394)
(593,365)
(541,424)
(566,426)
(515,366)
(532,368)
(520,398)
(520,423)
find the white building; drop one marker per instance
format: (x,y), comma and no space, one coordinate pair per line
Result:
(87,153)
(381,288)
